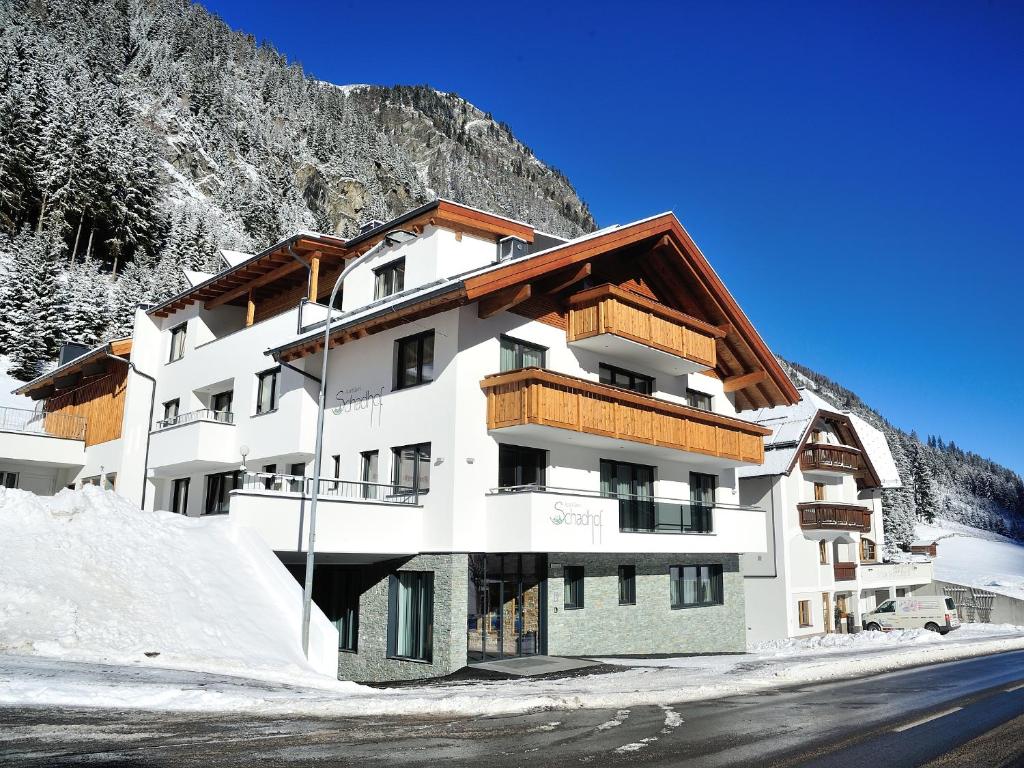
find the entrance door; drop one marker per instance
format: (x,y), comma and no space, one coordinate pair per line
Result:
(826,612)
(504,606)
(841,608)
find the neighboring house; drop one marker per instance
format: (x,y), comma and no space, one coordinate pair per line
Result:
(821,484)
(531,445)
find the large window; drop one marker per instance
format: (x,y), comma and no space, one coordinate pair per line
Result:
(179,496)
(411,615)
(177,342)
(414,360)
(700,400)
(572,576)
(217,489)
(519,466)
(517,354)
(620,377)
(389,279)
(698,518)
(633,485)
(627,585)
(411,467)
(267,385)
(336,591)
(695,585)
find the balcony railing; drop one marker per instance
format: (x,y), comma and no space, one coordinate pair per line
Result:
(826,515)
(544,398)
(845,571)
(203,414)
(59,424)
(607,309)
(832,458)
(644,514)
(330,488)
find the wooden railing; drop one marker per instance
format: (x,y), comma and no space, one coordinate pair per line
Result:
(64,425)
(536,396)
(837,458)
(824,515)
(608,309)
(845,571)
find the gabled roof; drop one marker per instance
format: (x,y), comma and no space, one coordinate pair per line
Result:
(92,364)
(791,427)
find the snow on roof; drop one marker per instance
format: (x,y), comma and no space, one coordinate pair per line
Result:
(231,258)
(195,277)
(877,449)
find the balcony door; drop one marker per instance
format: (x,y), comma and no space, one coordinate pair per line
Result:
(633,485)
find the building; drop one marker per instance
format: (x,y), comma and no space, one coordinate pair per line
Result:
(821,485)
(531,446)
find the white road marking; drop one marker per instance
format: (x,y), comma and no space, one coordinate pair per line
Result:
(916,723)
(1015,688)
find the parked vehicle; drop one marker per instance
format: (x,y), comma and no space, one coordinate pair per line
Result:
(937,614)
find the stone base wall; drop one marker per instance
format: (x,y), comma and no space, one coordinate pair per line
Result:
(603,627)
(370,663)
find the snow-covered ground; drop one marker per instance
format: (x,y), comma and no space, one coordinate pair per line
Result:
(976,558)
(46,682)
(85,575)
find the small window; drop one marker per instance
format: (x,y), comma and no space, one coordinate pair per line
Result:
(414,360)
(950,605)
(699,400)
(217,489)
(297,482)
(272,482)
(815,435)
(336,465)
(170,412)
(177,342)
(867,551)
(573,588)
(411,615)
(516,354)
(819,491)
(627,585)
(620,377)
(823,552)
(519,466)
(389,279)
(9,479)
(804,610)
(268,384)
(179,496)
(889,606)
(691,586)
(411,467)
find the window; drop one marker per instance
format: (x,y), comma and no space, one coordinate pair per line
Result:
(343,609)
(819,491)
(619,377)
(179,496)
(700,400)
(627,585)
(220,404)
(519,466)
(517,354)
(389,279)
(804,609)
(889,606)
(170,412)
(271,482)
(217,489)
(867,551)
(336,465)
(702,503)
(633,485)
(368,461)
(297,483)
(414,360)
(9,479)
(411,467)
(572,575)
(267,385)
(411,615)
(177,342)
(695,585)
(823,552)
(815,435)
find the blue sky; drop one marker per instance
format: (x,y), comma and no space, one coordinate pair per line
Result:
(855,172)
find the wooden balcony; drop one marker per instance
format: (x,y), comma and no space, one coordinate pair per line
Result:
(539,399)
(845,571)
(841,459)
(634,328)
(830,515)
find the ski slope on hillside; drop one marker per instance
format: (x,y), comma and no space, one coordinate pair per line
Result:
(976,558)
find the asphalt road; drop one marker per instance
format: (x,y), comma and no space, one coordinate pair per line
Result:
(967,713)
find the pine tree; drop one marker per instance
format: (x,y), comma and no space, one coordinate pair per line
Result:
(32,326)
(925,493)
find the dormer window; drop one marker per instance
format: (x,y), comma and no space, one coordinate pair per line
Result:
(177,342)
(389,279)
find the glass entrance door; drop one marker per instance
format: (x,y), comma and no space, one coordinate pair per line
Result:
(504,617)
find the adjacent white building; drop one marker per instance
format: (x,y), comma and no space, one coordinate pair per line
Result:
(821,486)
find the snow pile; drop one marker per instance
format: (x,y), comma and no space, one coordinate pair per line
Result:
(976,558)
(85,575)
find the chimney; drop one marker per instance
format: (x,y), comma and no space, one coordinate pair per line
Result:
(71,350)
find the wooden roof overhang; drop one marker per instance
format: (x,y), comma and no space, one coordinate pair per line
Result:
(866,479)
(92,365)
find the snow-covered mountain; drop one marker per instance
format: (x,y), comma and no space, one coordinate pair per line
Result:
(940,479)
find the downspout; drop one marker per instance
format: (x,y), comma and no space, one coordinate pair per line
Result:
(149,424)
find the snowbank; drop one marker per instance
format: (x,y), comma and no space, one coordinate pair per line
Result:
(85,575)
(976,558)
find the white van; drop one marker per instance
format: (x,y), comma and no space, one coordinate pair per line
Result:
(937,614)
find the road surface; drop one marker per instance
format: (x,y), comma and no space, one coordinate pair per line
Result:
(955,714)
